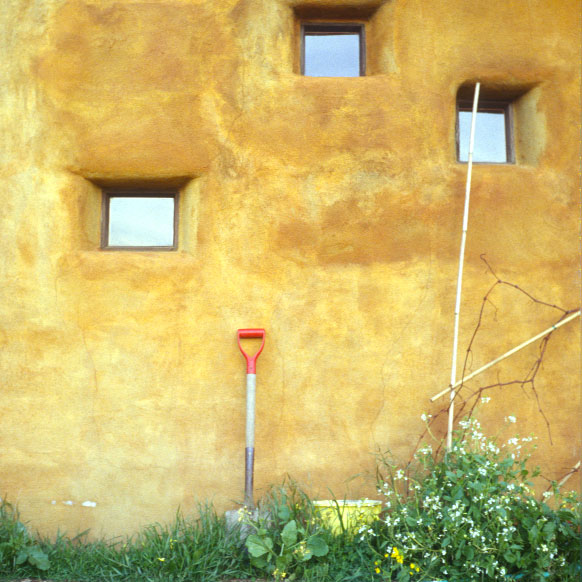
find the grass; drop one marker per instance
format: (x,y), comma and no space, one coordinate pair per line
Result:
(188,549)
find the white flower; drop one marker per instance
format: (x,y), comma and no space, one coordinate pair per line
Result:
(485,399)
(511,419)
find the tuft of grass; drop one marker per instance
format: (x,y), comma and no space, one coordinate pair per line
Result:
(188,549)
(18,549)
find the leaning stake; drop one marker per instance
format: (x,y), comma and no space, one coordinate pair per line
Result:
(460,276)
(250,420)
(507,354)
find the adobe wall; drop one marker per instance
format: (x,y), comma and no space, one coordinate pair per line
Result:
(327,211)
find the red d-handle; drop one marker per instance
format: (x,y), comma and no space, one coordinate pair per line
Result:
(251,360)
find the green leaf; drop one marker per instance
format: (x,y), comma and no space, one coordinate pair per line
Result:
(289,533)
(258,546)
(260,563)
(549,529)
(283,513)
(22,556)
(306,555)
(317,546)
(38,558)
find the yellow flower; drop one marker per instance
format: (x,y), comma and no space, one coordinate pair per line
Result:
(377,570)
(162,559)
(397,555)
(376,563)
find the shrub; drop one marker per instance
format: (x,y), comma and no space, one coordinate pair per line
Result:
(471,515)
(285,534)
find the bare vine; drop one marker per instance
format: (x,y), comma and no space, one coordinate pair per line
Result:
(467,403)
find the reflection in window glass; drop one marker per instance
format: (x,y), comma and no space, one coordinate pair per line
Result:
(332,55)
(490,139)
(141,221)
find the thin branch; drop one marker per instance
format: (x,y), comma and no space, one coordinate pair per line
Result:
(469,402)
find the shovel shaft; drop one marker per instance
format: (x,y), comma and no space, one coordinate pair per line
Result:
(250,425)
(250,439)
(249,473)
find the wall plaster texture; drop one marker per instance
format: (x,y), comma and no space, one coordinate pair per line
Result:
(327,211)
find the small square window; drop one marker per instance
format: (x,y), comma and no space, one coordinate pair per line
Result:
(493,132)
(139,220)
(333,50)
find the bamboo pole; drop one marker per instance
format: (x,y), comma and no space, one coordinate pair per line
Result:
(573,470)
(461,261)
(507,354)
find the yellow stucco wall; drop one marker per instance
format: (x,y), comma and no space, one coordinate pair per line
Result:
(327,211)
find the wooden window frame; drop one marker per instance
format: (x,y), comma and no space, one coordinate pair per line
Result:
(314,28)
(108,194)
(496,106)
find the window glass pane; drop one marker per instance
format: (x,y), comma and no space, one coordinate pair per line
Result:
(332,55)
(490,140)
(141,222)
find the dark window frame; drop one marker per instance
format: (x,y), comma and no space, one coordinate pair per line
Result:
(326,28)
(489,106)
(108,194)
